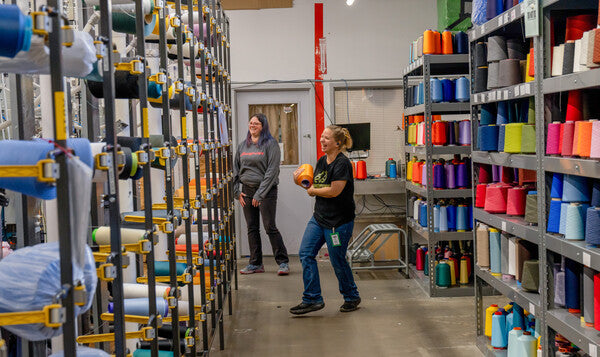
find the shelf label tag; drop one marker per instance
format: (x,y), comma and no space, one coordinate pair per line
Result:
(587,259)
(500,20)
(513,14)
(482,28)
(504,226)
(493,95)
(532,22)
(506,94)
(532,308)
(517,93)
(593,350)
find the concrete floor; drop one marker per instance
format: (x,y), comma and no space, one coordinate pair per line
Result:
(395,318)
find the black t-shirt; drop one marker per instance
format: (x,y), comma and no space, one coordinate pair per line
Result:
(335,211)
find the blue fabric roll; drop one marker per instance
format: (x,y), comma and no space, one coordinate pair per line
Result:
(501,134)
(461,43)
(592,226)
(31,280)
(596,194)
(572,283)
(488,137)
(478,16)
(554,216)
(423,214)
(502,113)
(576,189)
(16,30)
(487,115)
(448,89)
(462,216)
(556,190)
(451,210)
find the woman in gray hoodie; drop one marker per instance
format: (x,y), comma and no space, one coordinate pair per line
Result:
(256,167)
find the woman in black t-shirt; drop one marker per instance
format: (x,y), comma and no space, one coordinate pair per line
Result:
(332,223)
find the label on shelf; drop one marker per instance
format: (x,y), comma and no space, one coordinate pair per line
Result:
(504,226)
(532,308)
(587,259)
(532,23)
(513,14)
(593,350)
(517,92)
(506,93)
(482,29)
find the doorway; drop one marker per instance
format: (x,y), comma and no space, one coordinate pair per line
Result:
(292,124)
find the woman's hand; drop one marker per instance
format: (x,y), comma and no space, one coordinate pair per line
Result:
(297,173)
(242,200)
(255,202)
(311,191)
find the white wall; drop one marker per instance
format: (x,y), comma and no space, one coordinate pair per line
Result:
(366,40)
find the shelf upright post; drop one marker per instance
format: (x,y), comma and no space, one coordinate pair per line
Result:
(166,131)
(199,198)
(206,71)
(429,167)
(148,223)
(218,208)
(185,161)
(111,200)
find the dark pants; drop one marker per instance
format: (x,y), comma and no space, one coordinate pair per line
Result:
(267,210)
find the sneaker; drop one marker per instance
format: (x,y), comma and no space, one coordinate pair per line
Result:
(251,269)
(350,305)
(284,269)
(304,307)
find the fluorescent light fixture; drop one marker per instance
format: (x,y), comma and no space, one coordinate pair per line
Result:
(349,2)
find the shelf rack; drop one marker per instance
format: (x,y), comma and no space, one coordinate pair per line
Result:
(423,69)
(553,320)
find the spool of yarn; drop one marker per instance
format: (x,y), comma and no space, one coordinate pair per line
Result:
(559,284)
(421,94)
(568,57)
(361,170)
(512,257)
(510,70)
(553,139)
(163,345)
(531,207)
(576,189)
(526,345)
(420,259)
(489,312)
(450,175)
(515,205)
(574,106)
(513,137)
(448,90)
(462,218)
(487,114)
(529,77)
(421,133)
(567,138)
(423,214)
(562,228)
(438,136)
(443,219)
(439,176)
(412,134)
(464,271)
(495,252)
(493,75)
(496,49)
(430,42)
(125,23)
(437,94)
(515,49)
(443,274)
(480,79)
(488,137)
(582,138)
(140,307)
(507,174)
(595,202)
(513,336)
(480,55)
(492,11)
(595,147)
(504,255)
(424,176)
(101,235)
(528,139)
(464,133)
(575,222)
(558,58)
(16,30)
(462,90)
(447,43)
(588,295)
(530,280)
(572,285)
(480,195)
(495,199)
(485,173)
(502,113)
(463,178)
(592,226)
(451,133)
(483,246)
(161,268)
(499,338)
(417,207)
(578,24)
(305,178)
(451,213)
(461,45)
(453,268)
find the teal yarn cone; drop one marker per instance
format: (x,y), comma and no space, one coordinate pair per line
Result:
(162,268)
(442,274)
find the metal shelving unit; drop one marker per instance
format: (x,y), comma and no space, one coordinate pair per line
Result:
(552,320)
(423,69)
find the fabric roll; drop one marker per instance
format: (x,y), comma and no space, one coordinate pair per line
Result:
(556,190)
(515,49)
(510,72)
(493,75)
(496,49)
(558,58)
(568,57)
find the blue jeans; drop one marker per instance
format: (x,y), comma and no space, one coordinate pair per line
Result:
(314,237)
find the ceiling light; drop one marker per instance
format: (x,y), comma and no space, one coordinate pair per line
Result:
(349,2)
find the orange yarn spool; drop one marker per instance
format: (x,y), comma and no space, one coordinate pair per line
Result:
(582,139)
(417,172)
(436,117)
(429,42)
(411,119)
(361,170)
(438,42)
(305,179)
(527,176)
(438,136)
(419,118)
(447,47)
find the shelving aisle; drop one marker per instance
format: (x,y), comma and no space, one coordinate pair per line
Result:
(553,319)
(424,69)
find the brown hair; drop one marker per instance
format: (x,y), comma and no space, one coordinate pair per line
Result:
(341,136)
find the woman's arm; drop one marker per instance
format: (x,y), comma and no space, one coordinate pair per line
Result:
(328,192)
(272,172)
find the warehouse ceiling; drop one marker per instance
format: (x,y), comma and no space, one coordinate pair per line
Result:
(255,4)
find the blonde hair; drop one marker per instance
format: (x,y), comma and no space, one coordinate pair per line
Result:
(341,136)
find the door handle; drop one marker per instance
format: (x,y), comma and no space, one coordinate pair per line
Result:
(306,136)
